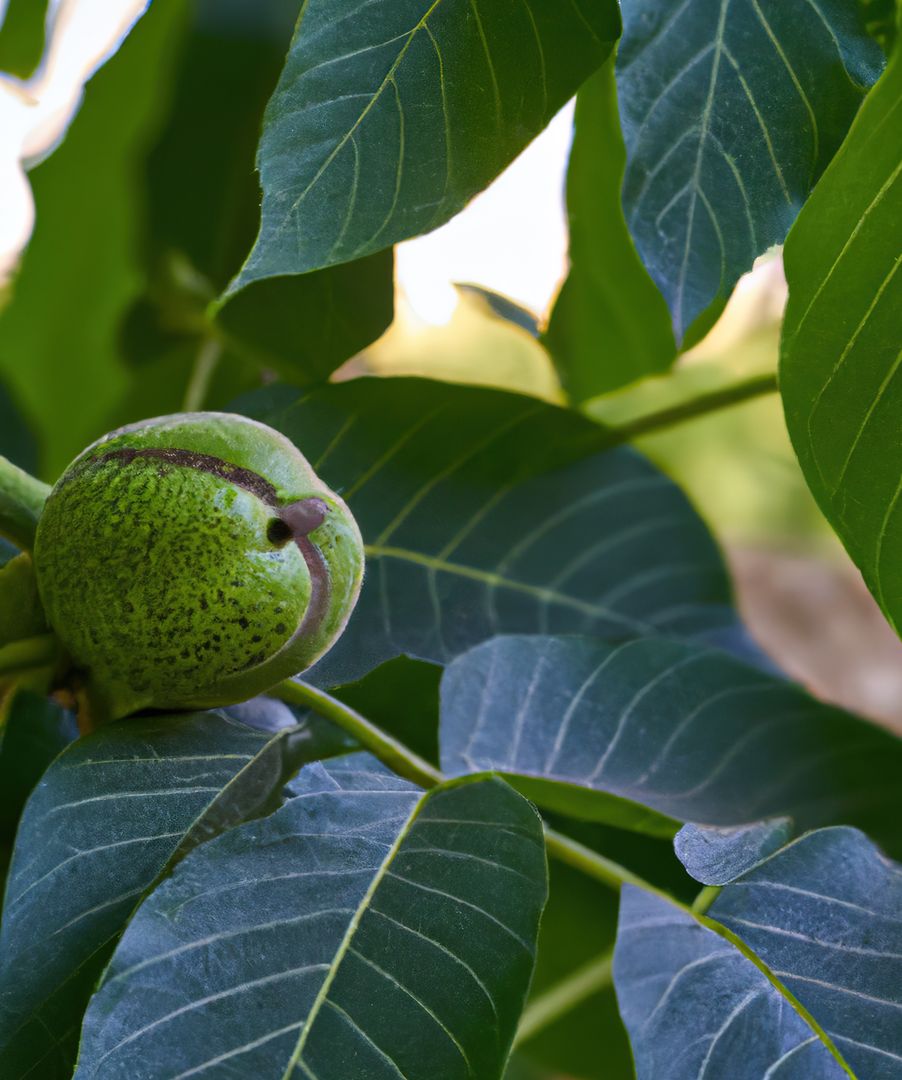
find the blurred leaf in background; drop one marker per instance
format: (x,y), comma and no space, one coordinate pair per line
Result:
(477,346)
(22,36)
(16,440)
(58,332)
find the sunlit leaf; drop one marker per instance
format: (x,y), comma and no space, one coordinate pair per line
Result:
(841,366)
(389,117)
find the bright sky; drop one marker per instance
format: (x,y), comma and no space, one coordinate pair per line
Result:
(512,238)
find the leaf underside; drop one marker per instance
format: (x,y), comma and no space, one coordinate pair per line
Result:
(730,113)
(365,929)
(687,731)
(465,538)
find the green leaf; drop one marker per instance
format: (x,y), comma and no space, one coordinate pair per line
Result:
(202,211)
(389,117)
(365,929)
(609,325)
(693,1003)
(467,538)
(823,915)
(401,697)
(304,326)
(17,441)
(689,732)
(841,366)
(35,729)
(797,973)
(22,36)
(21,611)
(730,114)
(79,272)
(578,924)
(111,813)
(715,855)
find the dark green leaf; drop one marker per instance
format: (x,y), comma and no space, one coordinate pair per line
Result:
(305,326)
(695,1005)
(465,540)
(730,111)
(610,325)
(58,348)
(365,929)
(34,731)
(797,973)
(841,367)
(823,915)
(389,117)
(401,697)
(22,36)
(689,732)
(17,441)
(203,209)
(579,923)
(716,855)
(109,815)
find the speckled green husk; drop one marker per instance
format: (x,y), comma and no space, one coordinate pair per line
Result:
(159,569)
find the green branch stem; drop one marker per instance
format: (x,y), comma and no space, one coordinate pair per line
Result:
(713,401)
(205,365)
(22,499)
(403,761)
(558,1000)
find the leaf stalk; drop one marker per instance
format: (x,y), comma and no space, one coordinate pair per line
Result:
(713,401)
(22,499)
(405,762)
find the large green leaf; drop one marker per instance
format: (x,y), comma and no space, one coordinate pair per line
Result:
(841,366)
(202,211)
(364,930)
(389,117)
(731,111)
(823,915)
(610,324)
(109,815)
(809,986)
(687,731)
(58,348)
(465,540)
(696,1006)
(35,729)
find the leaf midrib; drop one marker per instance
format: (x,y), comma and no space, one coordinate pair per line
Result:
(494,580)
(718,928)
(349,134)
(351,931)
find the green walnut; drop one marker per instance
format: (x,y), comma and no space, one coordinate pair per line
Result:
(194,560)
